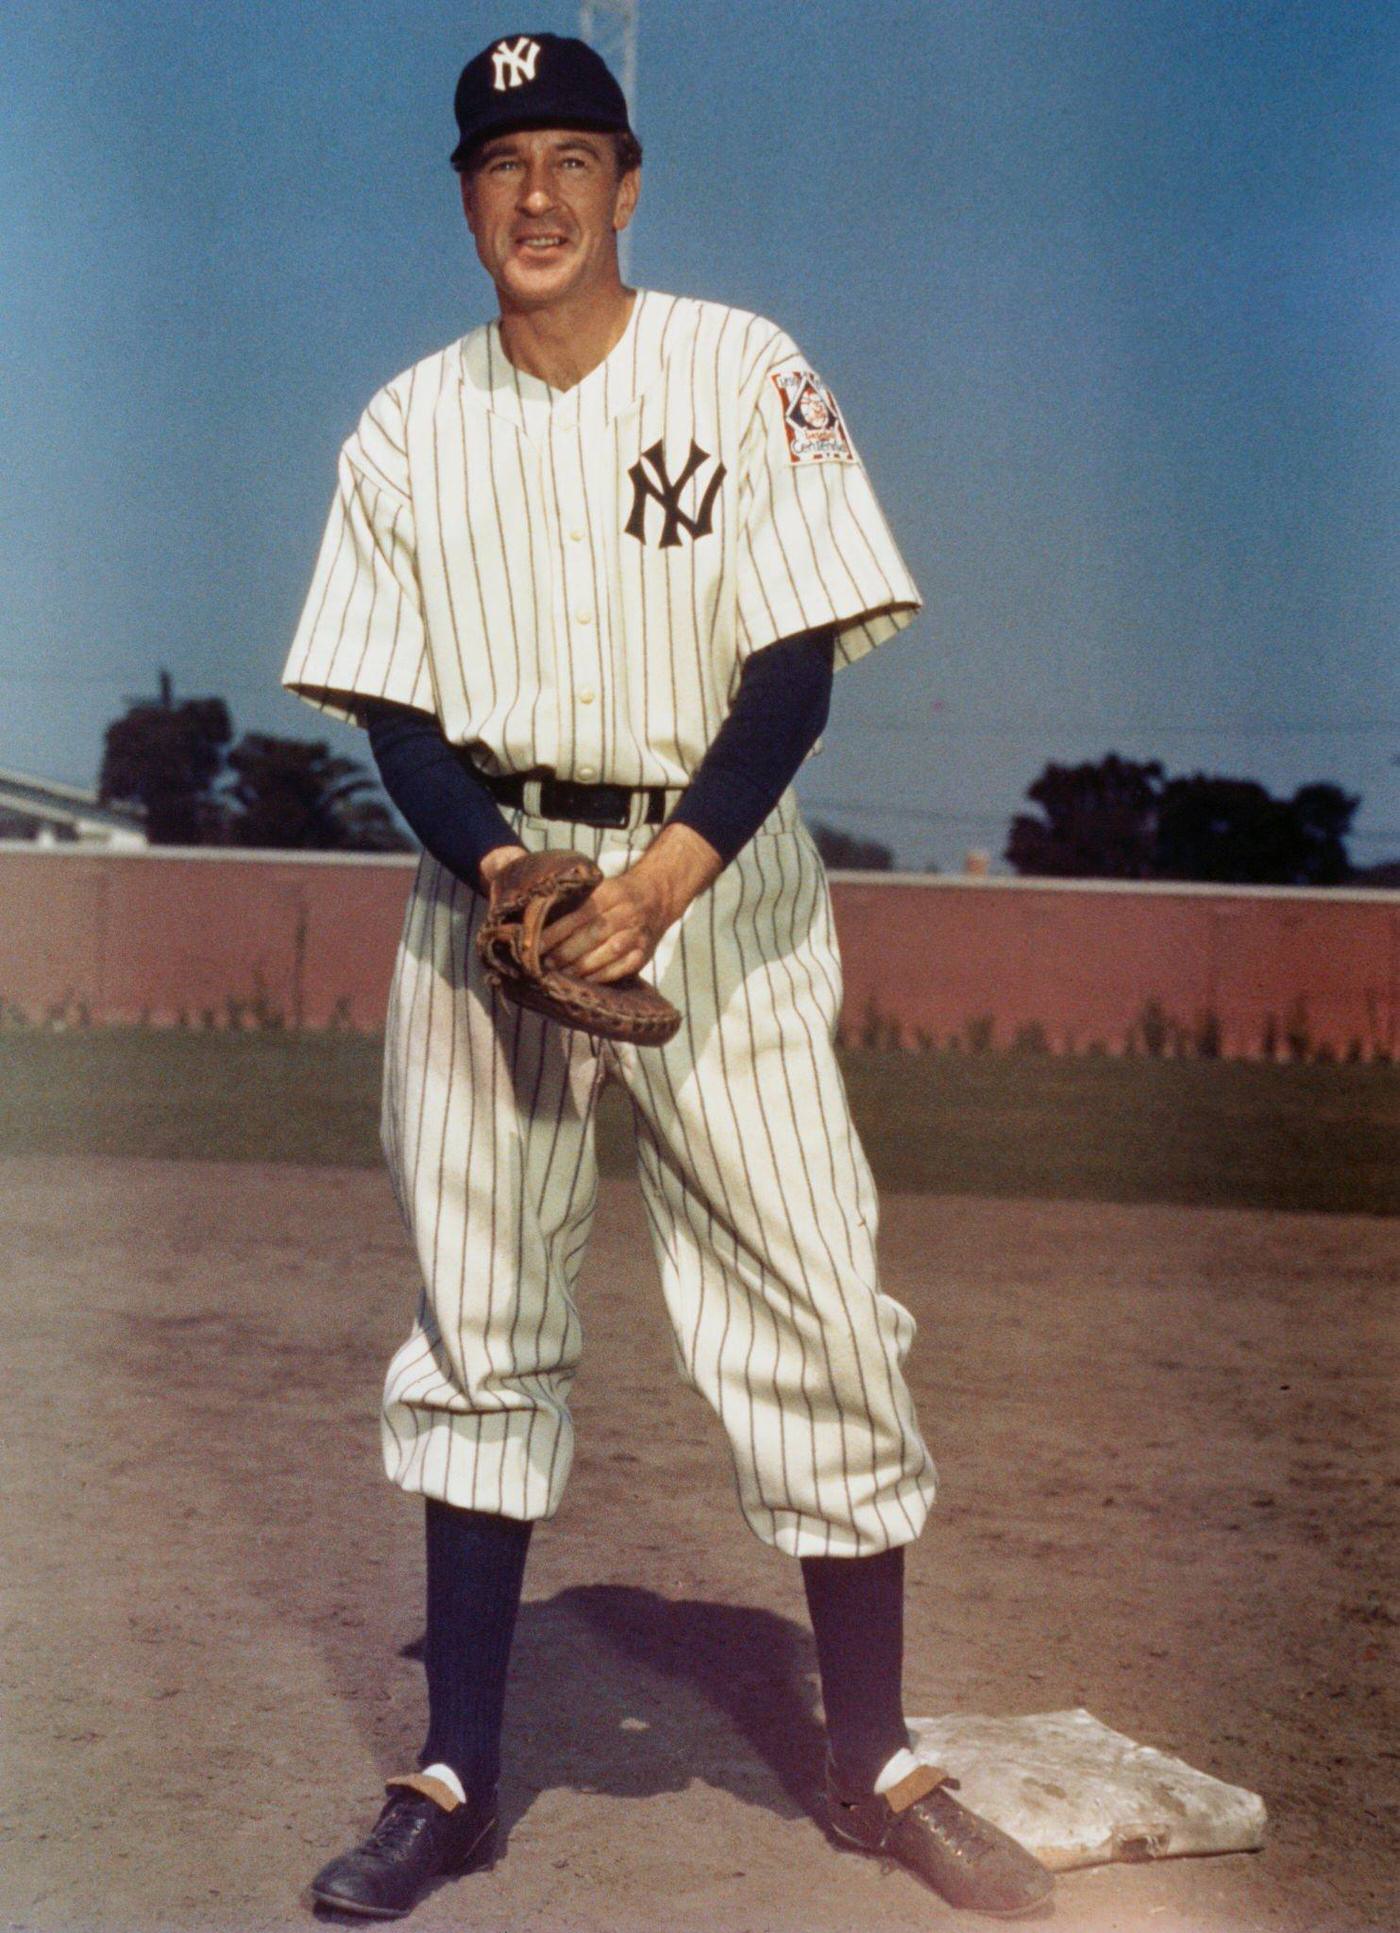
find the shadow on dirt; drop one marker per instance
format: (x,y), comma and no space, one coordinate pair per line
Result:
(619,1691)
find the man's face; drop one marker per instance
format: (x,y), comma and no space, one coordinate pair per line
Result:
(545,207)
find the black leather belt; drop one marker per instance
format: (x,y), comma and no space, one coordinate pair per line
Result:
(589,805)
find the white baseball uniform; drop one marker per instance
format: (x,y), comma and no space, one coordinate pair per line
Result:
(572,580)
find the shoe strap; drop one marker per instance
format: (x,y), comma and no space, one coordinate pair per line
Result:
(914,1786)
(435,1789)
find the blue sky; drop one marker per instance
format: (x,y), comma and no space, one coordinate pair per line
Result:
(1107,291)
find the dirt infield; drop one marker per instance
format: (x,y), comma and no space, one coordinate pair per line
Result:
(1168,1476)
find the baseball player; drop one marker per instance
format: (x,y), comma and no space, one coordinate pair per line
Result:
(587,575)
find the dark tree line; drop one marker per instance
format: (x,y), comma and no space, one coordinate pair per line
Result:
(843,851)
(1121,820)
(179,765)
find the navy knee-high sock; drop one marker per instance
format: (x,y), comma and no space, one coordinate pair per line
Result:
(476,1571)
(857,1610)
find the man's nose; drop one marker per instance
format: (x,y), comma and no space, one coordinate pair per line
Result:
(536,188)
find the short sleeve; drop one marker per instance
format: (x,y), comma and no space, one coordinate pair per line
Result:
(362,633)
(814,547)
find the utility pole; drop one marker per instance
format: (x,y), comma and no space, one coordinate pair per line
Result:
(611,27)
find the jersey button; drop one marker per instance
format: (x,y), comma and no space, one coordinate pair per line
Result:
(575,536)
(583,617)
(587,772)
(587,695)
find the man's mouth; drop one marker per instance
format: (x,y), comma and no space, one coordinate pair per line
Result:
(540,244)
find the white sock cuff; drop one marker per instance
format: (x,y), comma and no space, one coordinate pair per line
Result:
(449,1779)
(899,1767)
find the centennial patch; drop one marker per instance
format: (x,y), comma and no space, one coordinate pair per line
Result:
(815,432)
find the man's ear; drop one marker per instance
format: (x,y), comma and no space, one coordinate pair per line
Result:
(628,191)
(465,182)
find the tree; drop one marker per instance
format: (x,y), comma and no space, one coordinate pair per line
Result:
(164,760)
(1325,814)
(1100,822)
(1120,820)
(1234,830)
(173,763)
(293,792)
(843,852)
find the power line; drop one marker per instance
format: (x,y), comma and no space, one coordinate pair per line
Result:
(1038,728)
(964,725)
(122,680)
(934,815)
(926,815)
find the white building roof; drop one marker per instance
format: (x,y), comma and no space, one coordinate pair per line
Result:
(67,811)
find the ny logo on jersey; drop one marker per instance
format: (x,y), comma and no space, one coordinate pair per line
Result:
(514,65)
(668,495)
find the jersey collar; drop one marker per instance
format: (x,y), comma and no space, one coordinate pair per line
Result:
(492,382)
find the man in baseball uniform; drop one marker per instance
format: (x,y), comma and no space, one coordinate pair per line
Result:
(586,578)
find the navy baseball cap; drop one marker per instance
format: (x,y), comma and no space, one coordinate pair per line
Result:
(535,80)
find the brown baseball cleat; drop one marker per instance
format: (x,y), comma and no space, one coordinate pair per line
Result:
(920,1826)
(424,1833)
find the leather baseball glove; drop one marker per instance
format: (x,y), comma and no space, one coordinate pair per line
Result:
(526,896)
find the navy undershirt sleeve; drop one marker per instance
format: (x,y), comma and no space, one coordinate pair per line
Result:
(444,801)
(777,716)
(778,712)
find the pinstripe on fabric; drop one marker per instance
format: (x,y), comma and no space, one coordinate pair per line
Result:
(492,558)
(450,576)
(760,1204)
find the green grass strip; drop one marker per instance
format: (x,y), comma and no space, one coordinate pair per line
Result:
(1229,1133)
(191,1096)
(1247,1134)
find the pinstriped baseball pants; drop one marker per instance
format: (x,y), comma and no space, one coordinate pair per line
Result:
(759,1198)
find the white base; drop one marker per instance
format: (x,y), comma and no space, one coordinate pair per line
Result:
(1077,1794)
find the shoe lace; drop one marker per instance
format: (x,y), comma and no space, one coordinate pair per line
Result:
(400,1824)
(962,1831)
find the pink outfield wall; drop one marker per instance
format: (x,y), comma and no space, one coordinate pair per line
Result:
(1082,959)
(312,938)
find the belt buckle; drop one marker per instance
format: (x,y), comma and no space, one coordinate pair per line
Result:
(593,805)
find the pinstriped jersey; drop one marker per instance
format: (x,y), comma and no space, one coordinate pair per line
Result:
(572,579)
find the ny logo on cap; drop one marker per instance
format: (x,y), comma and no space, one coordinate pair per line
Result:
(668,495)
(514,65)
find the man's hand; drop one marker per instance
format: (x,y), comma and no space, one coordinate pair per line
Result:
(619,926)
(494,860)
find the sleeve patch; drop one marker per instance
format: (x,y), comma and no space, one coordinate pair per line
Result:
(811,421)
